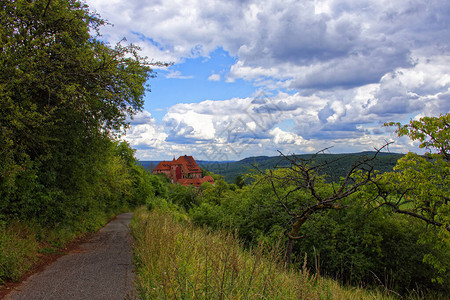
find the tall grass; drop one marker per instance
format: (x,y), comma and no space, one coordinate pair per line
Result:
(176,260)
(22,243)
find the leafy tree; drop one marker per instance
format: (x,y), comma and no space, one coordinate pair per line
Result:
(184,196)
(421,184)
(215,194)
(433,133)
(419,187)
(239,181)
(64,95)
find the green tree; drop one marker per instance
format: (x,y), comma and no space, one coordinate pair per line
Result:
(419,187)
(64,95)
(421,184)
(239,181)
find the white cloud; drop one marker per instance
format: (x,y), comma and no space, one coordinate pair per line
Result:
(338,43)
(145,133)
(177,75)
(284,137)
(189,125)
(214,77)
(345,67)
(143,117)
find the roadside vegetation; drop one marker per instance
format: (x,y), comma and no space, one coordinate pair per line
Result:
(64,100)
(177,260)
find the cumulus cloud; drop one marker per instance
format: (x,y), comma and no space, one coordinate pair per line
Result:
(143,117)
(338,69)
(335,43)
(284,137)
(145,133)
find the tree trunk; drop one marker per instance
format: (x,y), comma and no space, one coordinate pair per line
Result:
(293,235)
(289,247)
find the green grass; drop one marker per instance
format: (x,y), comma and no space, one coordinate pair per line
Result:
(18,251)
(23,242)
(176,260)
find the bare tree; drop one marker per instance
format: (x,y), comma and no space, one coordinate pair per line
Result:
(303,176)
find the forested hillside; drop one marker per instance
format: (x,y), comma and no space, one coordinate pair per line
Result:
(339,164)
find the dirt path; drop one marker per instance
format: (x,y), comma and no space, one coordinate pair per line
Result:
(101,268)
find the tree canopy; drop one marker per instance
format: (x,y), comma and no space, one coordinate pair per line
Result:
(420,185)
(65,96)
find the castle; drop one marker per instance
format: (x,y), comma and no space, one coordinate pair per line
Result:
(184,171)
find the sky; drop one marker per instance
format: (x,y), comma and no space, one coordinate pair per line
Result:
(252,78)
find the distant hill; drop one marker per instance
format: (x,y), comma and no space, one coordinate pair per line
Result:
(151,164)
(384,162)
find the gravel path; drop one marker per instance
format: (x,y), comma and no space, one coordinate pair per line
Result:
(101,268)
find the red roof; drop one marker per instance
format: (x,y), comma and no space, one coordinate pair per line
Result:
(189,163)
(163,166)
(209,179)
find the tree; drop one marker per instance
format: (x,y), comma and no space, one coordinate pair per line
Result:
(420,185)
(239,181)
(64,96)
(302,192)
(432,132)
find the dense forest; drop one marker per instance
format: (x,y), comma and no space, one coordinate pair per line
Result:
(233,170)
(372,220)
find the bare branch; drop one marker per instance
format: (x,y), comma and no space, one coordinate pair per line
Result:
(415,215)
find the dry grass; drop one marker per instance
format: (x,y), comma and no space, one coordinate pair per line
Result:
(176,260)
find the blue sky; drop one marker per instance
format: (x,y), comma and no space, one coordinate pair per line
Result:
(188,82)
(253,77)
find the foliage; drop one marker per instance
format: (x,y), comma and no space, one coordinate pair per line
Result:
(18,250)
(64,95)
(302,192)
(360,246)
(433,133)
(355,245)
(420,185)
(184,196)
